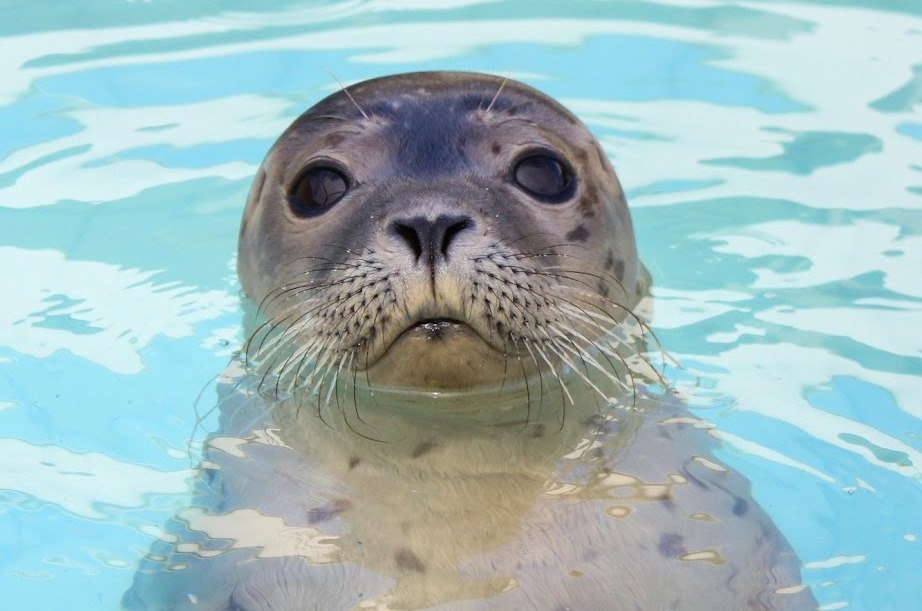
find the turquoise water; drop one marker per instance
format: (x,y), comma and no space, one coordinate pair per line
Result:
(771,153)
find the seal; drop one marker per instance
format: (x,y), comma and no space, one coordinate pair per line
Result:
(446,399)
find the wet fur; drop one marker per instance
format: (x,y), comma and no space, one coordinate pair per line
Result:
(621,509)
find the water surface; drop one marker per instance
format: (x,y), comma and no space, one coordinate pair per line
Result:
(771,153)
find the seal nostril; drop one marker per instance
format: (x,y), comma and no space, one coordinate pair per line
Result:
(431,239)
(455,227)
(410,236)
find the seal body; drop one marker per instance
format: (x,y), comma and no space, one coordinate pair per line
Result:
(442,404)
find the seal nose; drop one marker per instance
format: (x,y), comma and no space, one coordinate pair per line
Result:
(428,239)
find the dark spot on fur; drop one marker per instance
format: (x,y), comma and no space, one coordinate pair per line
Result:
(603,288)
(588,201)
(740,506)
(578,234)
(423,448)
(408,561)
(537,431)
(328,511)
(619,270)
(610,260)
(496,148)
(353,462)
(670,545)
(601,424)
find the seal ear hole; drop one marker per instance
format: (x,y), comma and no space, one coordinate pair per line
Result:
(544,177)
(318,188)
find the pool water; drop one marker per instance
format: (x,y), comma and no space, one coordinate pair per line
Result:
(771,153)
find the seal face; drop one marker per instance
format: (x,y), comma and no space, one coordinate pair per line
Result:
(436,230)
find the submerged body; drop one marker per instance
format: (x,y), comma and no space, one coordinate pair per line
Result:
(456,415)
(619,511)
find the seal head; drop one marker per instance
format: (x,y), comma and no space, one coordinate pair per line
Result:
(436,231)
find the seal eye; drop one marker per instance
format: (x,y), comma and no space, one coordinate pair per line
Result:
(544,177)
(318,188)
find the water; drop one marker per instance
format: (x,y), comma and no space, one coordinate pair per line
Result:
(772,156)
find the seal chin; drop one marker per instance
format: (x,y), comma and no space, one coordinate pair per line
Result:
(439,354)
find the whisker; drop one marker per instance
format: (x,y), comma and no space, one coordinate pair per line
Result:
(496,96)
(349,95)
